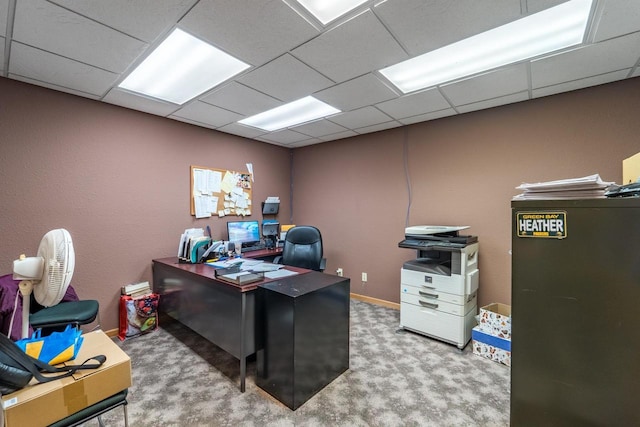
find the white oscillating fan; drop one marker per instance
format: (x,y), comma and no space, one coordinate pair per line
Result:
(48,274)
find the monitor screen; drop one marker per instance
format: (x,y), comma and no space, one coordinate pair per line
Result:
(243,231)
(270,228)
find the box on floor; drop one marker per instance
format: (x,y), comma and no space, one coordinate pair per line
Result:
(492,337)
(495,319)
(44,403)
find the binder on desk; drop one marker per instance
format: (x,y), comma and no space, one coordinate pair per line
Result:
(241,278)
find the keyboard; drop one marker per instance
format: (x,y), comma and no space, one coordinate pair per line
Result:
(254,247)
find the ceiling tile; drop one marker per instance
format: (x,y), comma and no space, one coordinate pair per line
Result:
(360,118)
(429,116)
(357,47)
(495,102)
(587,61)
(356,93)
(241,130)
(378,127)
(304,143)
(27,62)
(285,136)
(241,99)
(579,84)
(618,18)
(339,135)
(286,78)
(53,86)
(205,113)
(535,6)
(4,9)
(141,103)
(193,122)
(414,104)
(422,26)
(49,27)
(254,32)
(496,83)
(319,128)
(143,19)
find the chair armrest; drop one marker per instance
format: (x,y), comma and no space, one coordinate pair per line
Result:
(323,264)
(277,260)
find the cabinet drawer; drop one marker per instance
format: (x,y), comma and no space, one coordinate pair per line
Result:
(430,294)
(438,304)
(453,284)
(445,326)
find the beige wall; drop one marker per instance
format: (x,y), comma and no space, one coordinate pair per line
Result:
(119,181)
(463,171)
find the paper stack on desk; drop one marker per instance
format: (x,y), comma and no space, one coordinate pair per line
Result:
(588,187)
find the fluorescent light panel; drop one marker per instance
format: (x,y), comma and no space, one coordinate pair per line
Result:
(553,29)
(328,10)
(181,68)
(292,114)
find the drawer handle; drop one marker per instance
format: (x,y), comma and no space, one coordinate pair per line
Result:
(428,295)
(428,304)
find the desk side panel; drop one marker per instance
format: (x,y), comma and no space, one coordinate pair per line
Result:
(211,309)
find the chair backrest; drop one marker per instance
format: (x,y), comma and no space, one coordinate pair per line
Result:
(303,247)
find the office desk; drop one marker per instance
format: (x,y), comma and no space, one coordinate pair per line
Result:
(221,312)
(304,326)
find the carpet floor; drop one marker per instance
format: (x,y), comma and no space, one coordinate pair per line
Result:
(395,378)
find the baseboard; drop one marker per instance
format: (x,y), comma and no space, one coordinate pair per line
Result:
(376,301)
(112,333)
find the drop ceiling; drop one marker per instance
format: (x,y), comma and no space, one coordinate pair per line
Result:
(86,48)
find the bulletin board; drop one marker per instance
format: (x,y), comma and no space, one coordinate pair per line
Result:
(220,192)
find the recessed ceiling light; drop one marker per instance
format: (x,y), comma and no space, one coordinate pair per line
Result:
(181,68)
(292,114)
(553,29)
(328,10)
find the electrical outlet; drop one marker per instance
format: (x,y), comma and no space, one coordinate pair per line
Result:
(339,271)
(364,277)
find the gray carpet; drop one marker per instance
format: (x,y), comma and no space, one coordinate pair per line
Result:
(395,378)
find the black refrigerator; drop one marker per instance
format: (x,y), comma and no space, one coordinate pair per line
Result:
(575,313)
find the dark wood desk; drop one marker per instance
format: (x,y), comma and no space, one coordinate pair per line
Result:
(223,313)
(304,326)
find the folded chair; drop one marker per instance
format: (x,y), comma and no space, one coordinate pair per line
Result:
(96,410)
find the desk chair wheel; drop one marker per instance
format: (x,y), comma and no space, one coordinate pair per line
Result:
(96,410)
(74,313)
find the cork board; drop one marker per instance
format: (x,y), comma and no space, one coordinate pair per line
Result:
(220,192)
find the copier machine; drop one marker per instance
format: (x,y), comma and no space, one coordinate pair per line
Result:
(438,289)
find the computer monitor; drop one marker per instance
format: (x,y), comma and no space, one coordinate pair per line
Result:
(270,228)
(243,231)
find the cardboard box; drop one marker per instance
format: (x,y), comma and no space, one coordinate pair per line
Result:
(41,404)
(491,347)
(495,319)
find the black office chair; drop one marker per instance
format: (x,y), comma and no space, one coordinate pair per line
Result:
(303,248)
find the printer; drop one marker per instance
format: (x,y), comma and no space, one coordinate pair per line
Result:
(438,289)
